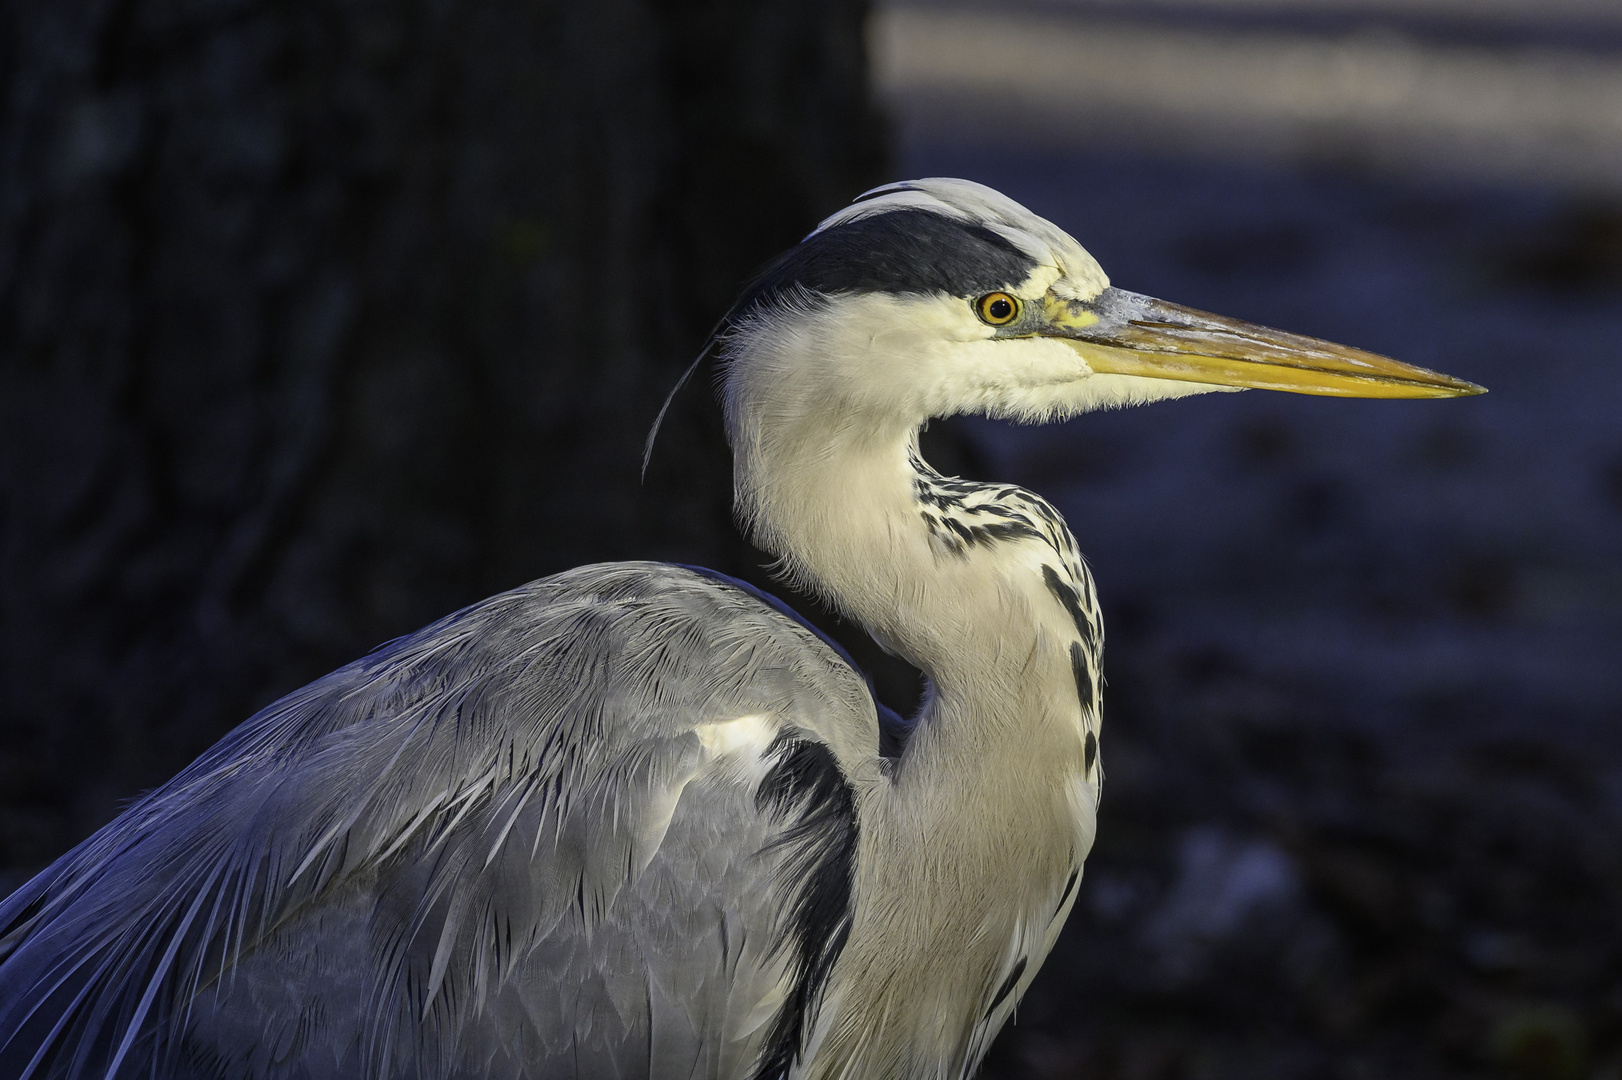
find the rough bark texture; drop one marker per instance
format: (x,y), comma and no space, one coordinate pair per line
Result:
(320,318)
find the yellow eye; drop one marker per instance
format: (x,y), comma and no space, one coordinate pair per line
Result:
(998,308)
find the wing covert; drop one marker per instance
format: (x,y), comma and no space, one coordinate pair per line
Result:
(602,819)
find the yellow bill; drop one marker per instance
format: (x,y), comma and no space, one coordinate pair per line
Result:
(1125,333)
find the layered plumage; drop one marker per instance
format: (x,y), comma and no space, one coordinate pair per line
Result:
(634,820)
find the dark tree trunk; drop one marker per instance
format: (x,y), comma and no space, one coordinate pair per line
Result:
(320,318)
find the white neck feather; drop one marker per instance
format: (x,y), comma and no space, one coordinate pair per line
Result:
(823,415)
(992,806)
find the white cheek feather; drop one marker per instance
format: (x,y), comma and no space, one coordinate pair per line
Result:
(1017,377)
(911,357)
(1120,391)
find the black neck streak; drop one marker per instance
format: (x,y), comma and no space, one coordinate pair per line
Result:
(963,516)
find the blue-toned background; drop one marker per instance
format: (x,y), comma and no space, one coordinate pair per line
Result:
(1363,743)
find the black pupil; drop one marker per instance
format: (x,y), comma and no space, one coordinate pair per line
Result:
(1000,308)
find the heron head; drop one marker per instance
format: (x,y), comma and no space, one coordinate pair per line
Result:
(935,297)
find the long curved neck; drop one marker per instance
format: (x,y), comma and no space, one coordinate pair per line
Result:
(957,578)
(991,810)
(969,585)
(968,856)
(843,515)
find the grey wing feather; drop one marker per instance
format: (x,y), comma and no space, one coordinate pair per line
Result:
(503,846)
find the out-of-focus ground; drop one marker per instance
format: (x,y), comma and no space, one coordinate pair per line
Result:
(1363,737)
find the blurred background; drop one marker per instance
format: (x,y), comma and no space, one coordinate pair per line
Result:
(321,318)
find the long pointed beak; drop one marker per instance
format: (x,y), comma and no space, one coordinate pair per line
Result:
(1125,333)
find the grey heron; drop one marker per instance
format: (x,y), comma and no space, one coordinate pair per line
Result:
(634,820)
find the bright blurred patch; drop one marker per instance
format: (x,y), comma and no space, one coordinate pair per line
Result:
(1291,88)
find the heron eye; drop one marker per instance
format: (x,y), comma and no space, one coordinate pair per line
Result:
(998,308)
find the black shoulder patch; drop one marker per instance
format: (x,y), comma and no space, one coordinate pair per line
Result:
(806,786)
(901,251)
